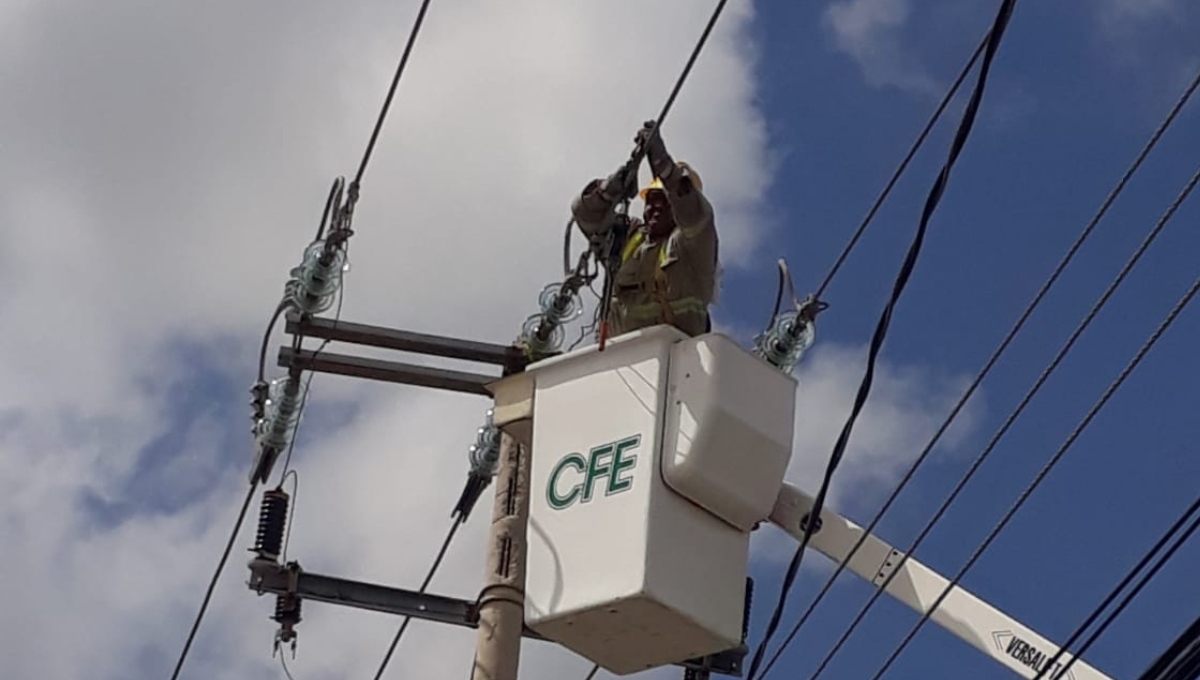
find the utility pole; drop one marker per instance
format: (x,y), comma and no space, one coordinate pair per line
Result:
(502,600)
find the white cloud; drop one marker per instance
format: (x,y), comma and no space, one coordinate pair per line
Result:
(871,33)
(167,169)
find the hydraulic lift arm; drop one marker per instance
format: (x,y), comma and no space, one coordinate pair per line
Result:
(969,618)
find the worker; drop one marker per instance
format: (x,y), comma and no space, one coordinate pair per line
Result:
(668,265)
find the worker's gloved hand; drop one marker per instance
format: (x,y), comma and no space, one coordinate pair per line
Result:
(621,185)
(660,161)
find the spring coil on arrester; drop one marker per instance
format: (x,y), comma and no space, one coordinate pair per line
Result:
(313,284)
(543,332)
(272,519)
(287,615)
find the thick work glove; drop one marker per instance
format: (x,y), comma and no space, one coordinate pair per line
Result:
(621,185)
(661,163)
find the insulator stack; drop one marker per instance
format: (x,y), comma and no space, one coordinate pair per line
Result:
(543,332)
(314,283)
(272,519)
(485,452)
(282,413)
(785,341)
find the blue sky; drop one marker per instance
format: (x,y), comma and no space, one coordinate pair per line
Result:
(165,168)
(1073,96)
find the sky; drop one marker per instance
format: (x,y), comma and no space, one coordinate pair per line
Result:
(162,167)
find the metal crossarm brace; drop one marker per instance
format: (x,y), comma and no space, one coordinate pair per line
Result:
(386,371)
(510,357)
(270,577)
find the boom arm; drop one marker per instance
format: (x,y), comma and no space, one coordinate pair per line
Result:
(981,625)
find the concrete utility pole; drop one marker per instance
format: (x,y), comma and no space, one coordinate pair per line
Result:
(502,600)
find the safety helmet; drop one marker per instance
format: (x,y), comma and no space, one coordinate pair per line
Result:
(657,185)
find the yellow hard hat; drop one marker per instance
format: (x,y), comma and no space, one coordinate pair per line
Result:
(657,185)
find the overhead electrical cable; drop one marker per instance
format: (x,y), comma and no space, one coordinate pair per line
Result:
(989,364)
(912,151)
(342,222)
(287,460)
(437,562)
(1041,475)
(1012,417)
(387,101)
(995,35)
(683,76)
(1053,663)
(212,584)
(1180,661)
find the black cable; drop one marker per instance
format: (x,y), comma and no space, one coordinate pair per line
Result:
(283,662)
(287,535)
(212,584)
(912,151)
(640,151)
(592,673)
(334,199)
(262,352)
(999,351)
(1054,660)
(935,194)
(1020,408)
(387,102)
(437,562)
(1180,660)
(1041,475)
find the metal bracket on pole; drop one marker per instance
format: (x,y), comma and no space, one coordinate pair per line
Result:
(270,577)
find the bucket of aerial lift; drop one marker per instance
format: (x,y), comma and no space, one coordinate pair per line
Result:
(651,463)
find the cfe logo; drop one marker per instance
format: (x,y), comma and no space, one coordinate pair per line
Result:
(574,478)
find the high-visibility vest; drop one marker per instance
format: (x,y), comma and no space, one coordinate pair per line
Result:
(635,241)
(661,308)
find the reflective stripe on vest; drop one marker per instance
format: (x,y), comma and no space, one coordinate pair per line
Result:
(635,241)
(653,310)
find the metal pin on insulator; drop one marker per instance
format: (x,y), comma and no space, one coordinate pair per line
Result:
(272,519)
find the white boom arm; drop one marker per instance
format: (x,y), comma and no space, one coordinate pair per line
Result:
(969,618)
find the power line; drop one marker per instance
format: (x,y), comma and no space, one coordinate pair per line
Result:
(1041,475)
(437,562)
(1020,408)
(1154,550)
(989,364)
(687,69)
(912,151)
(387,102)
(1181,660)
(995,35)
(212,584)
